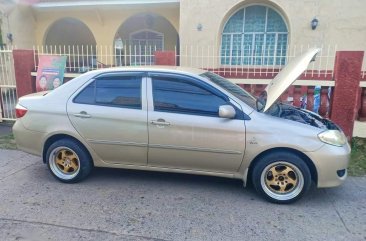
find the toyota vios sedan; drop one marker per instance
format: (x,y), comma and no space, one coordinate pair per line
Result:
(174,119)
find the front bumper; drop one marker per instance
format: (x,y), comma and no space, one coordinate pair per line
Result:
(329,160)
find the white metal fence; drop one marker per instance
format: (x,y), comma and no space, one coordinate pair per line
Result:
(82,58)
(8,95)
(257,64)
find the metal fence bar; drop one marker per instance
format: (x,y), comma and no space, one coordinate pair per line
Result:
(8,96)
(255,62)
(363,73)
(263,61)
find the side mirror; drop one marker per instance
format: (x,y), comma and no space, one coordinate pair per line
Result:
(227,111)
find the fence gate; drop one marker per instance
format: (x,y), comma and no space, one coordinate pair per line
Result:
(8,95)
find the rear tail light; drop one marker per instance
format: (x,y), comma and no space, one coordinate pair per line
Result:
(20,111)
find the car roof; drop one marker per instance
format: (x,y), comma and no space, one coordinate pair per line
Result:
(157,68)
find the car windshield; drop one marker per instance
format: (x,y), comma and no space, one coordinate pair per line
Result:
(234,89)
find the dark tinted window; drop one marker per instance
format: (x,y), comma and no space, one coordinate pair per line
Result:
(114,91)
(234,89)
(184,96)
(87,95)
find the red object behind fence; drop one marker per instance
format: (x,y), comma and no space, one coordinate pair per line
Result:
(165,58)
(23,66)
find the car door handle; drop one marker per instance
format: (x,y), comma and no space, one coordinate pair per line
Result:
(82,114)
(160,122)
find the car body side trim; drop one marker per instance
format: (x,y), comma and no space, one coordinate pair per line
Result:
(188,148)
(164,146)
(174,170)
(121,143)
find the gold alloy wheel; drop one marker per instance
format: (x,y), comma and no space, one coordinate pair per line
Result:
(282,180)
(67,161)
(64,163)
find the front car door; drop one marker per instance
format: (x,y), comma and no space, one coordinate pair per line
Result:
(185,131)
(110,113)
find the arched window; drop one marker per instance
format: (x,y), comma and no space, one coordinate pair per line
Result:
(254,35)
(145,43)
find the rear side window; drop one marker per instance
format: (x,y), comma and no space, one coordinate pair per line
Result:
(183,96)
(113,91)
(87,95)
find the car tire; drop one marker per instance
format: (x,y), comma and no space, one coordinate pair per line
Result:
(68,161)
(281,177)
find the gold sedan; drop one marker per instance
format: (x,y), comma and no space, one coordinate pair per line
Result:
(174,119)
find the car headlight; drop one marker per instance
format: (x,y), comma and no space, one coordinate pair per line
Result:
(333,137)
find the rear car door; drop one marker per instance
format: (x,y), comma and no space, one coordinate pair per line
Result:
(110,113)
(185,131)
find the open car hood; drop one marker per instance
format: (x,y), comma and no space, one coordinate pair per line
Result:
(287,76)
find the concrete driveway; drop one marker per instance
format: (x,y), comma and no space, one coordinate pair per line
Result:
(133,205)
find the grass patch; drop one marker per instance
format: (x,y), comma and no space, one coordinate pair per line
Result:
(357,166)
(7,142)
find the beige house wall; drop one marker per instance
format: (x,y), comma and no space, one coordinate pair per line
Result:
(341,23)
(18,20)
(102,22)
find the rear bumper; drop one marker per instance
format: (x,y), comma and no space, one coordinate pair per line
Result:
(331,163)
(27,140)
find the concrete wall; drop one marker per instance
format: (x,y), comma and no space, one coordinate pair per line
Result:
(103,22)
(341,23)
(19,21)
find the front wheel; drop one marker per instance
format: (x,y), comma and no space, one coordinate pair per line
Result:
(281,177)
(68,161)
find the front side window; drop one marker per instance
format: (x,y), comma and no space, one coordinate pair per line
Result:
(186,97)
(113,91)
(254,35)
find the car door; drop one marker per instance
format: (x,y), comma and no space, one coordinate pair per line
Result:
(185,131)
(110,113)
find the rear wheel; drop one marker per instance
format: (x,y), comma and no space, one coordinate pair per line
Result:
(68,161)
(281,177)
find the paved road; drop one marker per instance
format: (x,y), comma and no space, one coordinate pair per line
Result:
(135,205)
